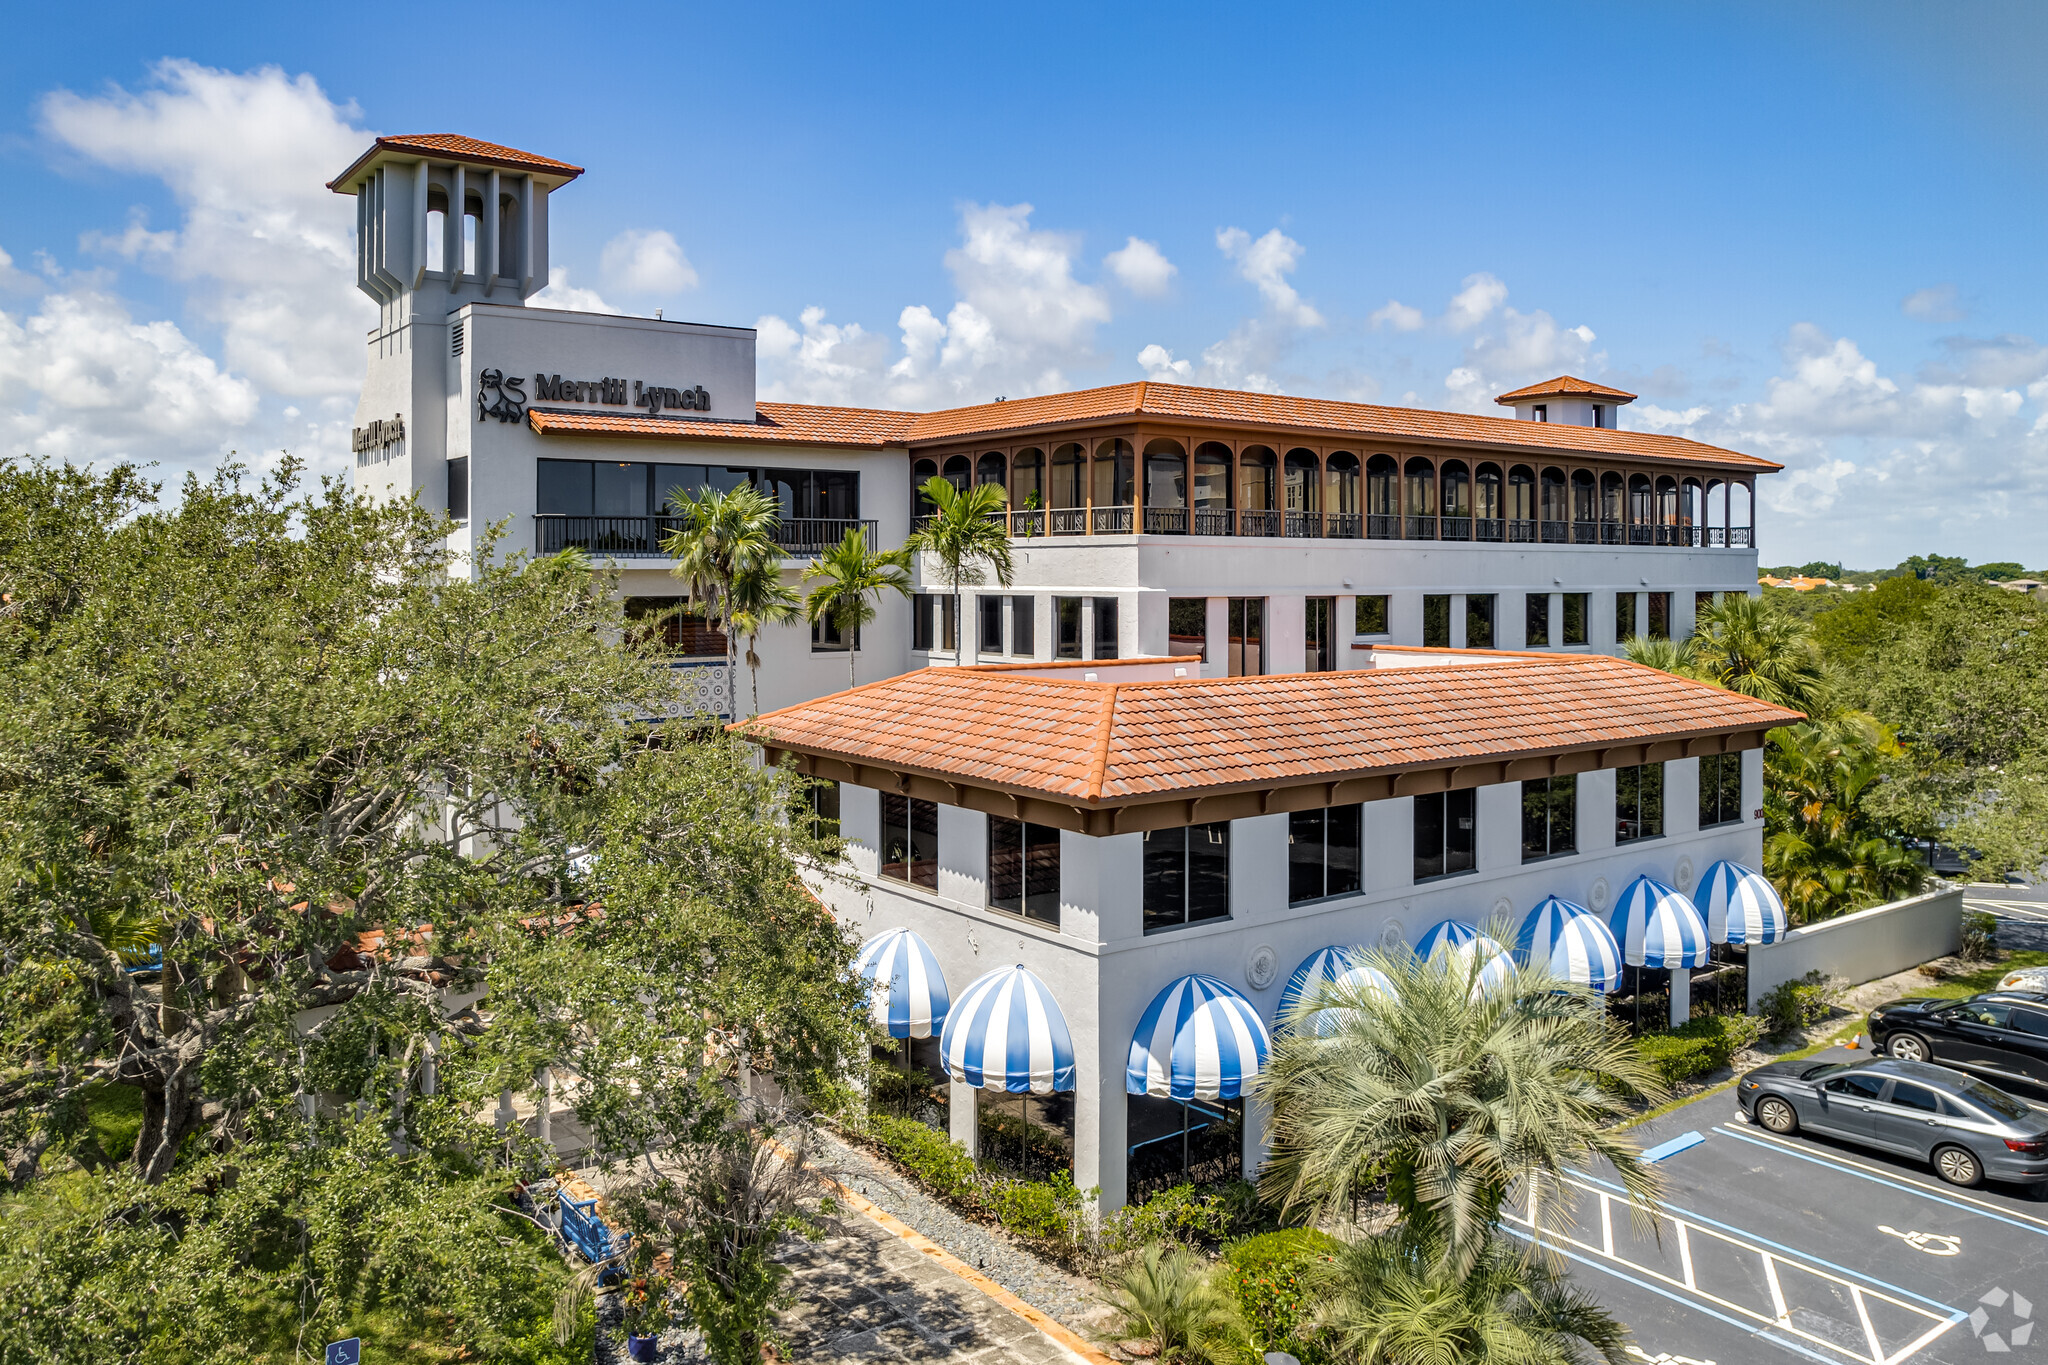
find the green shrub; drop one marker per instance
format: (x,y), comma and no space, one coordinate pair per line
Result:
(1042,1210)
(927,1156)
(1797,1004)
(1271,1274)
(1700,1045)
(1980,935)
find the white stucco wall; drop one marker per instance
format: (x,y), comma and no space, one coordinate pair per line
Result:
(1863,946)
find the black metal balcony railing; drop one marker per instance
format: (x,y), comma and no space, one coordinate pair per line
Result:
(1343,525)
(1382,526)
(1304,525)
(1556,532)
(642,537)
(1639,534)
(1212,521)
(1258,523)
(1030,522)
(1111,521)
(1521,532)
(1585,533)
(1068,521)
(1738,536)
(1166,521)
(1610,533)
(1457,528)
(1420,528)
(1490,529)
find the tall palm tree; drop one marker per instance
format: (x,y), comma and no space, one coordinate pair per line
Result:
(723,536)
(968,537)
(1393,1300)
(1746,645)
(1451,1092)
(758,598)
(853,579)
(1666,656)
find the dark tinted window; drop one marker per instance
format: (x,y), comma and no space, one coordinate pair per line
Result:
(1445,833)
(1436,621)
(910,840)
(1549,816)
(1997,1101)
(1187,875)
(1479,621)
(1022,609)
(2033,1022)
(1720,789)
(1575,618)
(1991,1013)
(1323,852)
(1536,620)
(564,488)
(1105,628)
(991,621)
(1024,869)
(1907,1095)
(1860,1085)
(1067,622)
(1369,616)
(1187,626)
(1638,802)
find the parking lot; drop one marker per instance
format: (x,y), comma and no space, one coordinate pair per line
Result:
(1772,1248)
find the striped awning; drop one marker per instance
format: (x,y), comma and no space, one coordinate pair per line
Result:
(1572,941)
(1007,1033)
(1198,1040)
(906,990)
(1471,950)
(1334,969)
(1741,905)
(1657,926)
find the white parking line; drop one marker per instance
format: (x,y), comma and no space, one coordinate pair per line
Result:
(1947,1194)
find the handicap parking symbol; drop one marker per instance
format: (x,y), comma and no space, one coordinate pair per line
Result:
(348,1352)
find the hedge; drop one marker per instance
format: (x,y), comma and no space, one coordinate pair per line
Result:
(1699,1046)
(1271,1275)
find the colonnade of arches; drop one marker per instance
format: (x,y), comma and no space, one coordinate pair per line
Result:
(1106,487)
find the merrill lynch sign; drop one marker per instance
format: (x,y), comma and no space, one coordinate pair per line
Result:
(552,388)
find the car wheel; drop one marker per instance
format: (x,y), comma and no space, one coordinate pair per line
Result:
(1776,1115)
(1958,1166)
(1910,1047)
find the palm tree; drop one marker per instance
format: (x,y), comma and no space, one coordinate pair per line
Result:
(1667,656)
(965,534)
(758,598)
(723,536)
(1185,1308)
(1393,1300)
(854,579)
(1747,646)
(1450,1092)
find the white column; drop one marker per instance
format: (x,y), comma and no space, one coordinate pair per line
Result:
(1681,995)
(1457,620)
(961,1113)
(1258,1118)
(1101,1120)
(1218,629)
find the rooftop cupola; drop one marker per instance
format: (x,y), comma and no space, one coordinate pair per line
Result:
(1575,402)
(445,220)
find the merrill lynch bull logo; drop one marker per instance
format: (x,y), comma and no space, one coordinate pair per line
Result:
(505,399)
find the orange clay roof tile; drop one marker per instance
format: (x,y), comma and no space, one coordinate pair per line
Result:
(1565,386)
(1119,742)
(455,147)
(783,423)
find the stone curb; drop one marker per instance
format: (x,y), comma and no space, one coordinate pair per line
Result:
(1048,1326)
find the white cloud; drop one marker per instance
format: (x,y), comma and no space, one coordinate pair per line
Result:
(559,293)
(1937,303)
(1141,267)
(1158,363)
(1397,315)
(16,281)
(824,363)
(639,261)
(1521,348)
(1474,303)
(1267,262)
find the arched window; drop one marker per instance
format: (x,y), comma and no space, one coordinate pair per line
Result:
(1556,516)
(1300,478)
(508,236)
(1487,508)
(1166,487)
(990,469)
(1667,510)
(1111,487)
(1714,513)
(958,470)
(1027,492)
(922,472)
(1382,498)
(1742,514)
(1521,503)
(1211,515)
(1691,512)
(1257,468)
(1641,515)
(1613,508)
(472,221)
(1457,500)
(1067,491)
(1585,508)
(437,229)
(1419,499)
(1340,496)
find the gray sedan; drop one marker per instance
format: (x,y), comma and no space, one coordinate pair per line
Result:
(1967,1129)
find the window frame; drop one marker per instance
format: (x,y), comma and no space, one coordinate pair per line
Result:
(1636,787)
(1717,766)
(1553,797)
(1028,839)
(1159,917)
(1362,616)
(1324,821)
(988,610)
(1023,625)
(1584,602)
(912,809)
(1446,804)
(1436,634)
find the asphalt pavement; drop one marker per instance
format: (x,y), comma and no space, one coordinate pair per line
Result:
(1787,1249)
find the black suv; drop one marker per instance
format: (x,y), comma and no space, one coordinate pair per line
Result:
(2002,1034)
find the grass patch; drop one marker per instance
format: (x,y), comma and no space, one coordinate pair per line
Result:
(113,1113)
(1985,978)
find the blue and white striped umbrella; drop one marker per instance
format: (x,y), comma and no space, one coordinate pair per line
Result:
(1574,942)
(1467,945)
(1741,905)
(1007,1033)
(906,990)
(1657,926)
(1198,1040)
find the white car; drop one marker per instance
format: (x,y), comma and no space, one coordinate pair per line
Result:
(2024,979)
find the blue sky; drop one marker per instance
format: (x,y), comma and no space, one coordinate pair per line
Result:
(1811,232)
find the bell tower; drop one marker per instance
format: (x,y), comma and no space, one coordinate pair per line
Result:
(442,221)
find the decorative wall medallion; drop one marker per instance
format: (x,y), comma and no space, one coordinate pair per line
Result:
(1503,909)
(1393,936)
(1261,967)
(1682,874)
(1597,894)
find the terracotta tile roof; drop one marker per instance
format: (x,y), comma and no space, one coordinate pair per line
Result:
(782,423)
(1565,386)
(1091,743)
(455,147)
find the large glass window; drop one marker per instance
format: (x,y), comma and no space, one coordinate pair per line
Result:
(990,636)
(910,840)
(934,622)
(1720,789)
(1022,612)
(1369,616)
(828,638)
(1550,817)
(1660,615)
(1067,623)
(1187,627)
(1436,621)
(1024,869)
(1187,875)
(1324,855)
(608,488)
(1638,803)
(1575,618)
(824,802)
(1105,628)
(1536,620)
(1247,637)
(1479,620)
(1320,652)
(1446,833)
(1624,616)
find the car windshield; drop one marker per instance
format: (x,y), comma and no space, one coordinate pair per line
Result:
(1997,1101)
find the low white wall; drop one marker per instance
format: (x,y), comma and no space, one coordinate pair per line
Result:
(1863,946)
